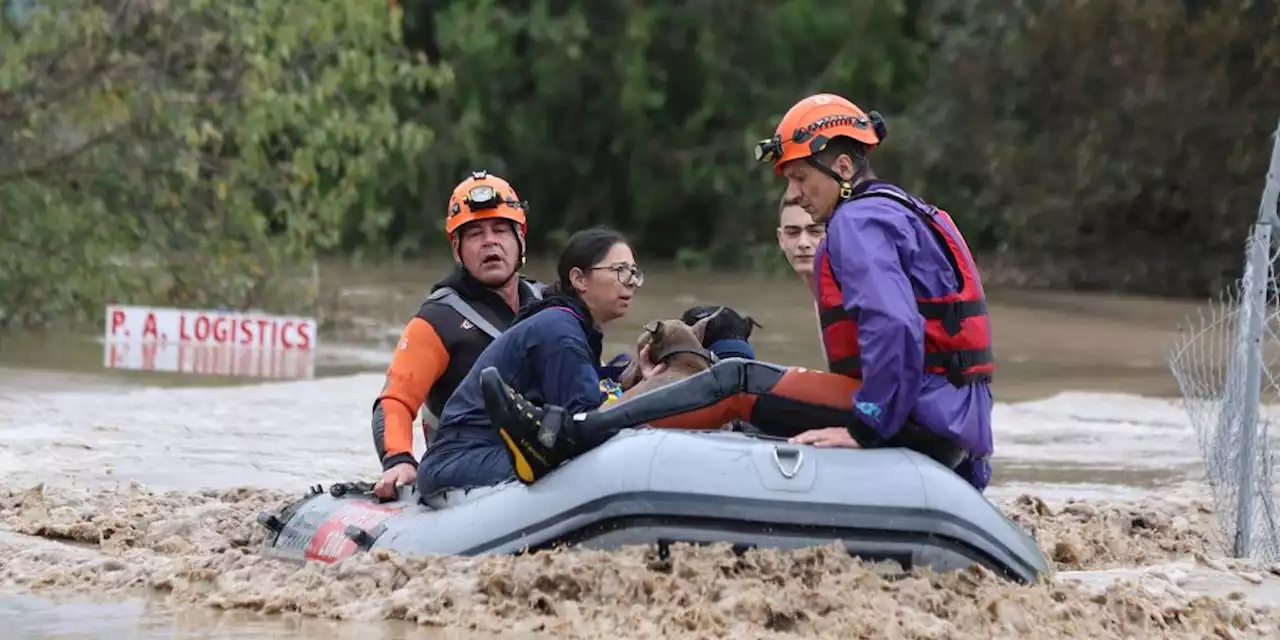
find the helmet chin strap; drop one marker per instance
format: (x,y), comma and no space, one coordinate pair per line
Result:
(846,186)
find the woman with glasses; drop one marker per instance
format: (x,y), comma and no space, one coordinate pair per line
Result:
(550,353)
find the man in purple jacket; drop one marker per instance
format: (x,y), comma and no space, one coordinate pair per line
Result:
(900,299)
(901,308)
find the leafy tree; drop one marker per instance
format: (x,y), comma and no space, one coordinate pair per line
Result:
(192,151)
(642,116)
(1104,145)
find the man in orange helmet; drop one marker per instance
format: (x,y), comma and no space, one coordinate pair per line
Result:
(903,318)
(900,301)
(465,311)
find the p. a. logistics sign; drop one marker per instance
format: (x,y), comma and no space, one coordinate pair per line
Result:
(210,342)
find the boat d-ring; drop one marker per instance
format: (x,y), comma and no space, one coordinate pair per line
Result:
(788,452)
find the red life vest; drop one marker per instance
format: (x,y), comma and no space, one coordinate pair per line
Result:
(957,332)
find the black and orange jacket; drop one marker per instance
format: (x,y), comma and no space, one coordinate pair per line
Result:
(437,348)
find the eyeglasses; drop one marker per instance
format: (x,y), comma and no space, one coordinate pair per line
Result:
(627,274)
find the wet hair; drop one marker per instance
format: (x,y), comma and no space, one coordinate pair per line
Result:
(583,250)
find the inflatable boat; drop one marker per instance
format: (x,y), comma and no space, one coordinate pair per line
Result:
(659,487)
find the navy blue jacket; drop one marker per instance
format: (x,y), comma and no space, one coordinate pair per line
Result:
(551,355)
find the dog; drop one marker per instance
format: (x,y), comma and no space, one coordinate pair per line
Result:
(728,323)
(670,342)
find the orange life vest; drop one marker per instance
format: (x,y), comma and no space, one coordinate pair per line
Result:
(957,332)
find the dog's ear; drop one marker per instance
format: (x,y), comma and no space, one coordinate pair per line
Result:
(647,332)
(700,327)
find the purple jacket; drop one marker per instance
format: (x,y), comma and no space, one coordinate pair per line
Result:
(885,256)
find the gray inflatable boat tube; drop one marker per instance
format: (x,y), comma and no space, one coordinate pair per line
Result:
(658,487)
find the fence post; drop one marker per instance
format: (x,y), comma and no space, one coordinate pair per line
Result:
(1255,291)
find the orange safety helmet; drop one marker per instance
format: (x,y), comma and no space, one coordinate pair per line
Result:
(813,122)
(482,196)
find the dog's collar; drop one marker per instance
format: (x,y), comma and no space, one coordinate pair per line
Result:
(699,351)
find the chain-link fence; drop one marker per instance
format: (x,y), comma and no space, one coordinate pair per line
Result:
(1227,364)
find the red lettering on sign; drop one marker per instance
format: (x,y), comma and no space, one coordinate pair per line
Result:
(202,328)
(304,331)
(330,542)
(222,328)
(149,326)
(284,334)
(117,320)
(262,332)
(182,328)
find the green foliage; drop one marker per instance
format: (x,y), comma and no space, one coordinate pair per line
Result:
(1104,145)
(641,116)
(189,151)
(194,152)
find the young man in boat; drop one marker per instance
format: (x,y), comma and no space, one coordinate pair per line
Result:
(903,316)
(466,310)
(799,236)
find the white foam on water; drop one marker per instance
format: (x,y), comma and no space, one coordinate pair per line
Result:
(292,434)
(283,435)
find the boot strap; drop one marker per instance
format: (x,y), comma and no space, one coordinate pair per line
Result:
(550,426)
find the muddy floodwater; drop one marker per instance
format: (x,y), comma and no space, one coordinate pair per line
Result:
(127,499)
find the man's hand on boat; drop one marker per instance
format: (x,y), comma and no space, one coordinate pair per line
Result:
(823,438)
(394,478)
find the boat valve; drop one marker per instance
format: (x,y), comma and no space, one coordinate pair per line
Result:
(359,536)
(270,521)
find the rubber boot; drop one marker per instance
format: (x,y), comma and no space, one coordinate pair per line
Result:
(533,436)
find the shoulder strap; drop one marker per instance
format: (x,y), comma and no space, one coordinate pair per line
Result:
(934,309)
(893,194)
(450,298)
(534,288)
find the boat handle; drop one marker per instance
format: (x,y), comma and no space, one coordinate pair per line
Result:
(796,456)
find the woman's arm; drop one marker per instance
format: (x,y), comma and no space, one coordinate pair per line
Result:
(569,375)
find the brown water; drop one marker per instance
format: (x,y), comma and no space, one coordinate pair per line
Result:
(150,564)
